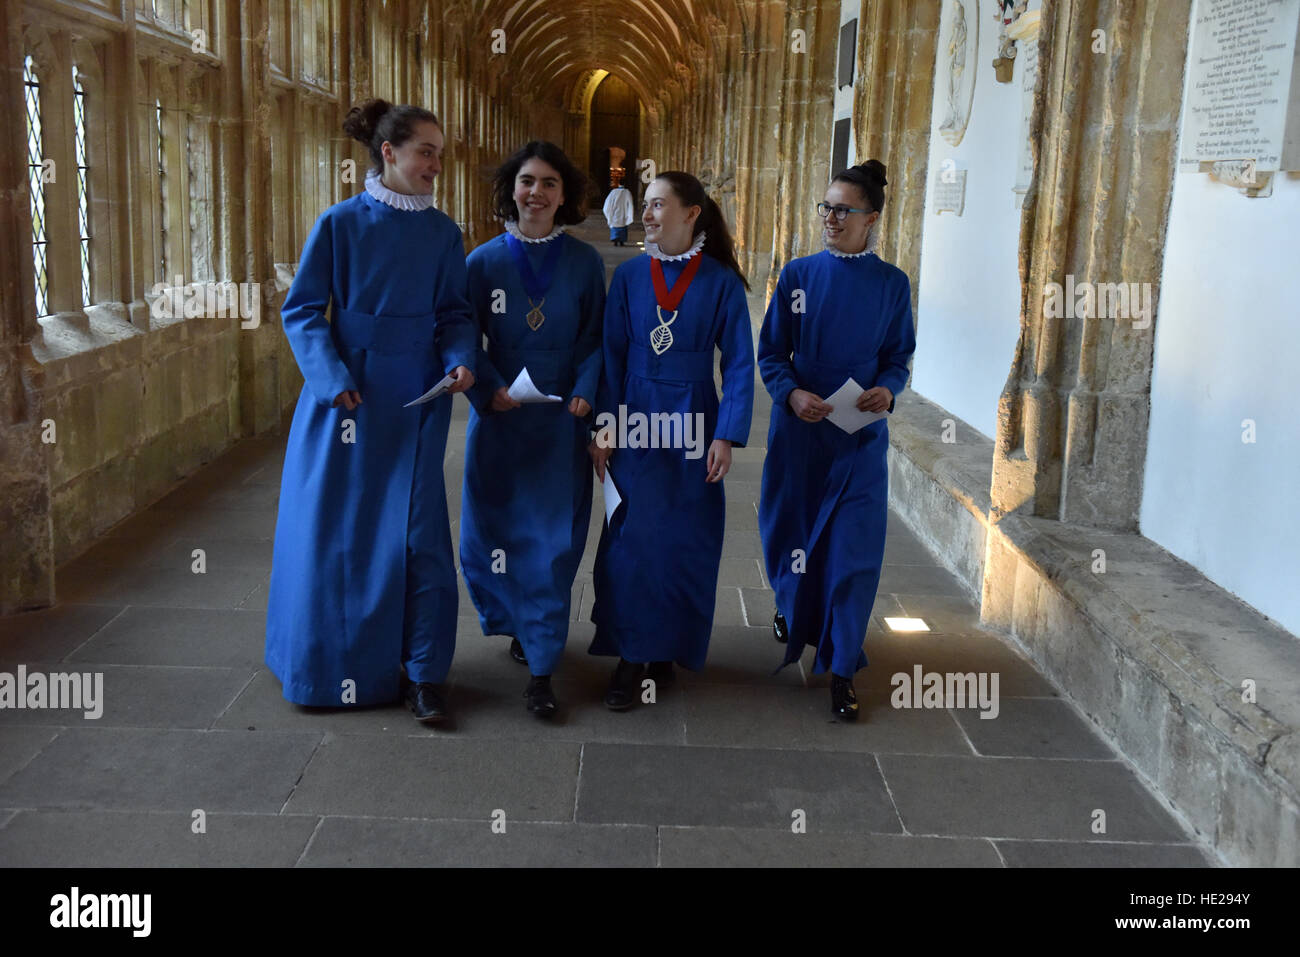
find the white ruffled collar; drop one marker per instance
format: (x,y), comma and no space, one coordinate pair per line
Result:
(839,255)
(512,227)
(390,197)
(653,250)
(873,240)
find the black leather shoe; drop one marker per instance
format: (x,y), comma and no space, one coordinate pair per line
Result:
(517,651)
(539,699)
(844,703)
(425,701)
(780,630)
(624,686)
(662,673)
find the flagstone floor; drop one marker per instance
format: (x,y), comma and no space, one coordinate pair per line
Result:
(732,766)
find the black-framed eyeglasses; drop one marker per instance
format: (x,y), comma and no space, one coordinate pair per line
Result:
(841,212)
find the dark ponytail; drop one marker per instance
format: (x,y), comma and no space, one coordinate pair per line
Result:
(718,243)
(375,121)
(869,177)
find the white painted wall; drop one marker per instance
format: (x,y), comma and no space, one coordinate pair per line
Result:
(968,306)
(1227,348)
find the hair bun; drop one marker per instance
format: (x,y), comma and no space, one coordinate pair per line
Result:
(362,121)
(874,170)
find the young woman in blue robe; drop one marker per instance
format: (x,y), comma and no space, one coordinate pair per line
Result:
(667,313)
(840,314)
(363,583)
(539,296)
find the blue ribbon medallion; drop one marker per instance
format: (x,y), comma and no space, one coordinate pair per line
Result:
(535,286)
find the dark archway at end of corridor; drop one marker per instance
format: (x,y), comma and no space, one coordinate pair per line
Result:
(615,124)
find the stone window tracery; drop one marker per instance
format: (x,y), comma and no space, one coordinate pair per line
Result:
(83,183)
(161,168)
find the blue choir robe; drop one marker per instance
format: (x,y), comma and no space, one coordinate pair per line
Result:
(526,502)
(363,582)
(656,571)
(824,498)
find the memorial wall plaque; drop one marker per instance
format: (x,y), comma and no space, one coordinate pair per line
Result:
(1243,91)
(949,191)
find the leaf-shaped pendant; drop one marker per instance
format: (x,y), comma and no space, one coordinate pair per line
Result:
(661,337)
(535,318)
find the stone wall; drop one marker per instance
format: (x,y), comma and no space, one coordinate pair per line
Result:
(27,559)
(104,405)
(1194,687)
(134,413)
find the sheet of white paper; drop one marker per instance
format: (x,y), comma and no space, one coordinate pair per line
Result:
(844,404)
(433,393)
(523,390)
(612,498)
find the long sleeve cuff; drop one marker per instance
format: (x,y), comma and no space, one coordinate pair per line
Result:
(894,383)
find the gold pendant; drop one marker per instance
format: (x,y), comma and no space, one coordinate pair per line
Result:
(661,337)
(535,317)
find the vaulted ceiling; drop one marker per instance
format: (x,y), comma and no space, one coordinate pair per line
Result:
(660,47)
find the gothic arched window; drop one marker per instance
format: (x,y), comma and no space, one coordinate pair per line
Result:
(36,180)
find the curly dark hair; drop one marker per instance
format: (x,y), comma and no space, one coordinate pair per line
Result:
(572,211)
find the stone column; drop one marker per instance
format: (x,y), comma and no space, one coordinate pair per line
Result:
(576,142)
(62,225)
(746,175)
(757,175)
(27,559)
(464,152)
(246,174)
(797,141)
(122,95)
(723,84)
(1072,419)
(810,120)
(892,96)
(441,104)
(142,155)
(109,106)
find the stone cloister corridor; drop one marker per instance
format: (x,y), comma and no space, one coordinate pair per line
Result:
(1091,473)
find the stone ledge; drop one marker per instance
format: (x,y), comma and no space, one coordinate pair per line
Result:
(122,397)
(1152,651)
(1155,654)
(73,348)
(941,488)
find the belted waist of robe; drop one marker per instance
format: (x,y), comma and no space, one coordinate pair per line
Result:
(674,365)
(824,378)
(550,369)
(386,335)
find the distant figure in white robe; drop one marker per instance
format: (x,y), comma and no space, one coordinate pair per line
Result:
(618,212)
